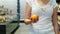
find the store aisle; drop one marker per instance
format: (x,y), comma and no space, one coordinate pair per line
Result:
(23,29)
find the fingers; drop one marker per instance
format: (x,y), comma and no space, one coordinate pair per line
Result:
(34,20)
(27,21)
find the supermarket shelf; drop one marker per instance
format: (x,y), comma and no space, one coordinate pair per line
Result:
(8,27)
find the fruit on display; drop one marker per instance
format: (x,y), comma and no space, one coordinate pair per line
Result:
(10,11)
(58,12)
(2,19)
(58,6)
(58,18)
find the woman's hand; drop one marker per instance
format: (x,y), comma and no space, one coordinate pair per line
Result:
(27,21)
(34,20)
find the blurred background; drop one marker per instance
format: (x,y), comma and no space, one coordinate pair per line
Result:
(12,17)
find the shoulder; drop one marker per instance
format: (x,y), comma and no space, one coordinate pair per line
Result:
(30,2)
(55,10)
(54,3)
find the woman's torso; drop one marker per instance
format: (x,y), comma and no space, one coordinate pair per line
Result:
(44,23)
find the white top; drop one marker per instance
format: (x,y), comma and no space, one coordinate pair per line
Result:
(45,15)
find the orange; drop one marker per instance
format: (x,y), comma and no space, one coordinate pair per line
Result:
(34,18)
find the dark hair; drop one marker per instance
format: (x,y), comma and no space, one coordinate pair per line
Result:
(58,1)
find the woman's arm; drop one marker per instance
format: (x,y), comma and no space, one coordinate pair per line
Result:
(55,20)
(27,19)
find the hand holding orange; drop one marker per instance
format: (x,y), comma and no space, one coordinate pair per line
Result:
(34,18)
(27,21)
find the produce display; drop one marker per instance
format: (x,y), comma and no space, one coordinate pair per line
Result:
(5,14)
(58,18)
(58,13)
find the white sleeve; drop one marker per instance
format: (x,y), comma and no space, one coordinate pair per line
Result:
(54,3)
(29,2)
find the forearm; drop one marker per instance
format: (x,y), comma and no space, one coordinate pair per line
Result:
(56,27)
(27,17)
(55,20)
